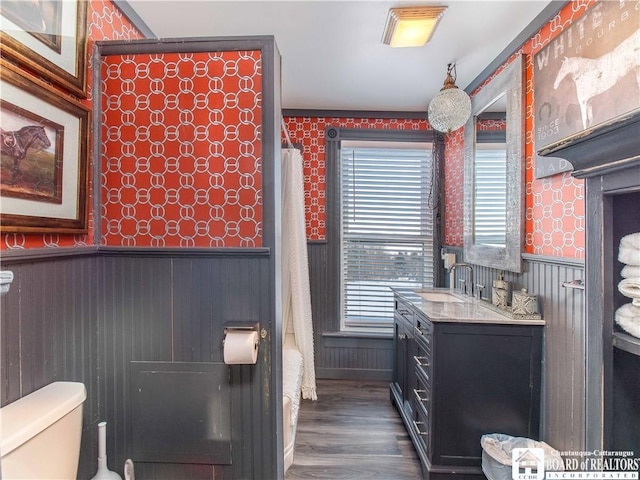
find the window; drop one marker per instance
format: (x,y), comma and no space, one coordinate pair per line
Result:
(490,201)
(387,232)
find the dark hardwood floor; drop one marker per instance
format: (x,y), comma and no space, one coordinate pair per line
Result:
(352,432)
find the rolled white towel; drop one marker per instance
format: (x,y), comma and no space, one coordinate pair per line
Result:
(632,241)
(628,317)
(630,271)
(630,287)
(629,255)
(629,252)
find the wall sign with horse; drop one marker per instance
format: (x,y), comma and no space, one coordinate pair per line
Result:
(589,76)
(43,156)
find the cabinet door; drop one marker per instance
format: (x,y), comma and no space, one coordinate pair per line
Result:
(486,381)
(400,356)
(403,348)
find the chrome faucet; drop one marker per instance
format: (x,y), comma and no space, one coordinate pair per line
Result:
(467,285)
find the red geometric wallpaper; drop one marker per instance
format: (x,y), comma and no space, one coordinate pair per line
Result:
(181,165)
(309,132)
(554,215)
(188,195)
(104,22)
(454,188)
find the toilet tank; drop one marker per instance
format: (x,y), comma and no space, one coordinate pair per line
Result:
(40,433)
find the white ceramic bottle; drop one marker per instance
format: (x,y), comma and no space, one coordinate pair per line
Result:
(103,471)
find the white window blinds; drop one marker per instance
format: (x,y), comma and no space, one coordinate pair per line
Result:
(387,229)
(490,208)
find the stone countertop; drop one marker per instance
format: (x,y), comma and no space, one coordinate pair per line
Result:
(470,310)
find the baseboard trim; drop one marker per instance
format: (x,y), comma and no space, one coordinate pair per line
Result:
(563,261)
(353,374)
(26,255)
(47,254)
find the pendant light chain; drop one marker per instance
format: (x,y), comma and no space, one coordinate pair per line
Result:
(434,195)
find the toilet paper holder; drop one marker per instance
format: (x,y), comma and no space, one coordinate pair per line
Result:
(241,342)
(241,325)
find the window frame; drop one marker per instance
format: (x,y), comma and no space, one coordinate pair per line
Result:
(333,138)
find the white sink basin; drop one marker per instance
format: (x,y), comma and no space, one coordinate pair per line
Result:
(441,297)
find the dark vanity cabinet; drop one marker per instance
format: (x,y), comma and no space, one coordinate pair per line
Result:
(455,381)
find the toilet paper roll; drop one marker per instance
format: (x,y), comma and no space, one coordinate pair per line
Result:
(241,347)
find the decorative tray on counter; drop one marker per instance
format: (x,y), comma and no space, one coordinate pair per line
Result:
(508,313)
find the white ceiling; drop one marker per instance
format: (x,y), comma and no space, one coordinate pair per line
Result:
(332,55)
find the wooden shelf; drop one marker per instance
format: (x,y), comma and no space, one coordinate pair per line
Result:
(626,342)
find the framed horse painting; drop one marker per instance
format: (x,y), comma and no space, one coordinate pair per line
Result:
(588,77)
(43,157)
(47,37)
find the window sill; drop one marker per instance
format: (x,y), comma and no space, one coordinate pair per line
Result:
(357,335)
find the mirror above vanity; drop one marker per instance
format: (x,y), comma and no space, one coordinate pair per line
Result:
(494,173)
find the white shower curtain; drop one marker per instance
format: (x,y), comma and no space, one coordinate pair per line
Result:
(295,268)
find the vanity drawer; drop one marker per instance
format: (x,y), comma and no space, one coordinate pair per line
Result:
(425,342)
(422,394)
(423,353)
(403,312)
(424,327)
(422,427)
(423,362)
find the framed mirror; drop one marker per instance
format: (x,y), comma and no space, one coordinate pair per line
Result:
(494,172)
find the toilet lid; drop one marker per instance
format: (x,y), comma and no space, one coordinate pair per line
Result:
(25,418)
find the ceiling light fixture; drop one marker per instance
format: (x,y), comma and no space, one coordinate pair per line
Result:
(451,107)
(411,26)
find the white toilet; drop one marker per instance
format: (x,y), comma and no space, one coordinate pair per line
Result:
(40,433)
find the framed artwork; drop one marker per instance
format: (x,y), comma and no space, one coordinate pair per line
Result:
(47,37)
(588,77)
(43,157)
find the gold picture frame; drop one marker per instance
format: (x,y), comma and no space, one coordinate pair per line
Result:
(31,35)
(43,157)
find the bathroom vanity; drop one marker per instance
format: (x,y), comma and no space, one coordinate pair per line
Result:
(461,371)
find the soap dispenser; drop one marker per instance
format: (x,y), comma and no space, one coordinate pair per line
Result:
(500,292)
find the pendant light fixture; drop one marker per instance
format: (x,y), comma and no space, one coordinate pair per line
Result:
(451,107)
